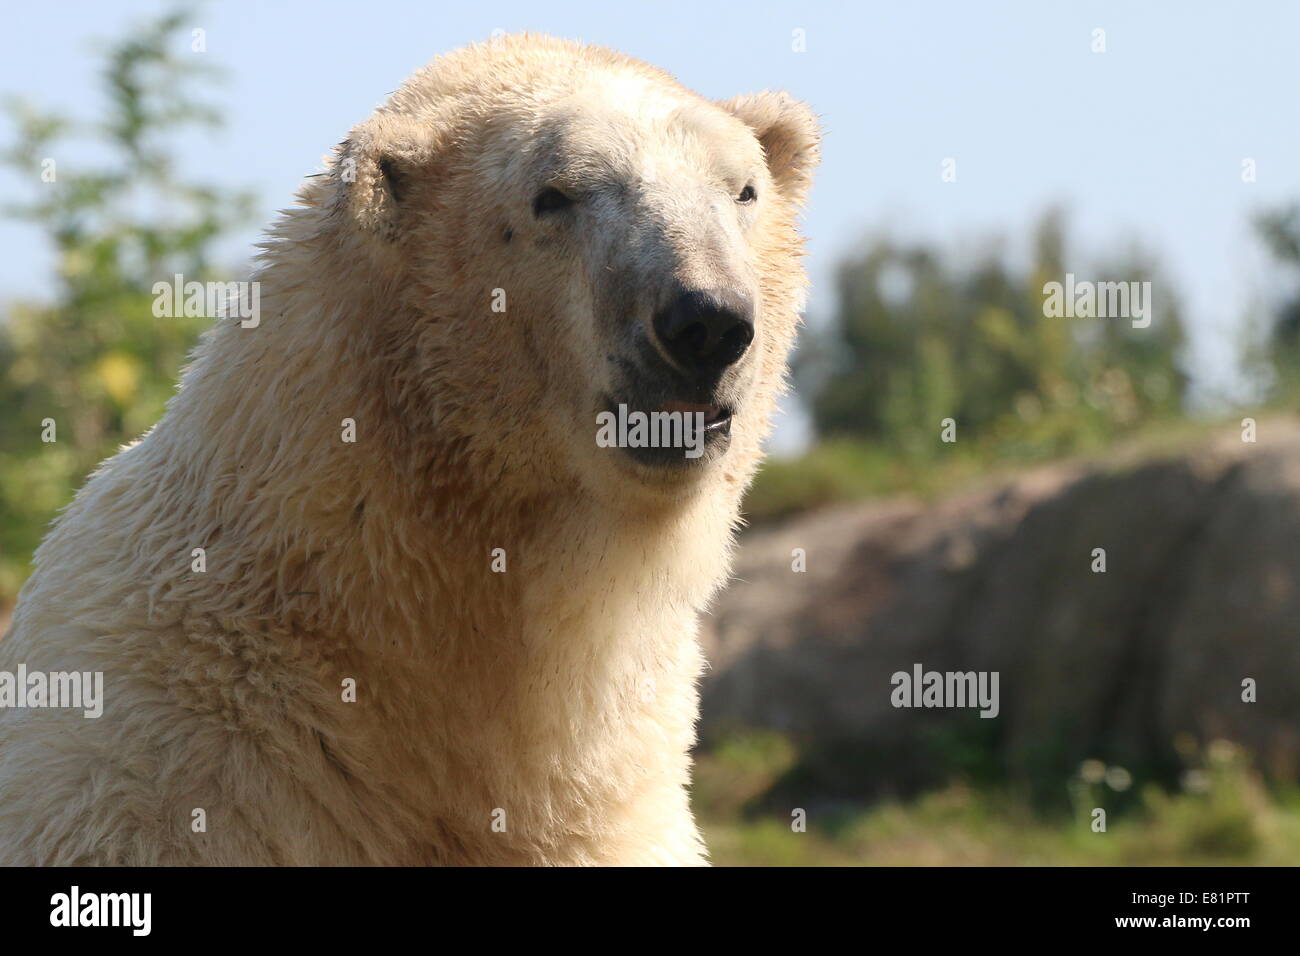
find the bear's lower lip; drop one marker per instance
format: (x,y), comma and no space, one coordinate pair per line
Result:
(686,448)
(716,418)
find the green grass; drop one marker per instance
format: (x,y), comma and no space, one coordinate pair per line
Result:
(1225,816)
(841,470)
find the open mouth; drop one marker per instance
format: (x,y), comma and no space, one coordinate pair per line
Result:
(671,434)
(716,418)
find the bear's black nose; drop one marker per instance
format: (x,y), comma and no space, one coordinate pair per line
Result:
(705,331)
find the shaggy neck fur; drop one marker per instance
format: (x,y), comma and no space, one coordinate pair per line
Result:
(373,561)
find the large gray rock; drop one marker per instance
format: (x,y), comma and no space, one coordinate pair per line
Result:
(1200,592)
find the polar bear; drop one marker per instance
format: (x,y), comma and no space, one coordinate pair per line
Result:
(372,591)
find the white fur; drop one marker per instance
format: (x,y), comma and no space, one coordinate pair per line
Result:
(561,692)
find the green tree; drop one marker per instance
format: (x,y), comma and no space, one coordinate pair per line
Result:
(918,337)
(1279,352)
(94,358)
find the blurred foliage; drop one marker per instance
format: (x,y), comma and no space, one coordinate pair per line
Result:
(94,358)
(919,336)
(1277,357)
(845,469)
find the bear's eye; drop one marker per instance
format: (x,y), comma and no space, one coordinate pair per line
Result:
(747,195)
(550,200)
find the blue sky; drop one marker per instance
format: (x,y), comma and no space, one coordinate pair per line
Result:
(1144,141)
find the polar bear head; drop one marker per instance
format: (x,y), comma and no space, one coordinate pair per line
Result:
(570,238)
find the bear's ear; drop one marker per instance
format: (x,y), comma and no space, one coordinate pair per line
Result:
(788,132)
(379,166)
